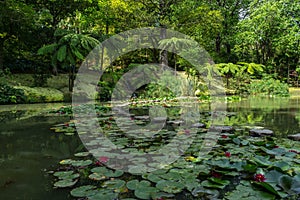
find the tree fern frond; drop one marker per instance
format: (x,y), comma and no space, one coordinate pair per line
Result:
(47,49)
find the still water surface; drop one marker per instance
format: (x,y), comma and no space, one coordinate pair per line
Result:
(28,148)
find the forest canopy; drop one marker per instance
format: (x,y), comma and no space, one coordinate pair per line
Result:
(261,31)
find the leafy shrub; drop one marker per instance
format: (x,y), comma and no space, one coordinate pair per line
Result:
(39,94)
(269,86)
(9,94)
(153,90)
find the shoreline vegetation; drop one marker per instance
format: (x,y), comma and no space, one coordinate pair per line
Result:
(22,89)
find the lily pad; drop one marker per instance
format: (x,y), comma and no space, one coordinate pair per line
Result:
(245,191)
(145,192)
(84,191)
(273,176)
(201,190)
(142,189)
(262,161)
(82,154)
(63,174)
(97,177)
(210,184)
(116,185)
(65,183)
(81,163)
(66,175)
(285,182)
(170,186)
(76,163)
(116,173)
(152,177)
(103,195)
(271,188)
(134,184)
(219,181)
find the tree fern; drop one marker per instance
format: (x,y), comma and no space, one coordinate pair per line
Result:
(47,49)
(70,49)
(251,68)
(61,53)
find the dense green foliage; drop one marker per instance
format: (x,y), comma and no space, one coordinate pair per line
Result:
(9,94)
(269,86)
(265,32)
(245,38)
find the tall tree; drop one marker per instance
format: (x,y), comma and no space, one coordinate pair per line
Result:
(159,13)
(232,12)
(59,10)
(16,22)
(271,35)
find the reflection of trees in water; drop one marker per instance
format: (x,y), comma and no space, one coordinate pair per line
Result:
(281,121)
(33,139)
(11,115)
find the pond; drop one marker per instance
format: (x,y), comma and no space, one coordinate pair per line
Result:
(29,149)
(281,115)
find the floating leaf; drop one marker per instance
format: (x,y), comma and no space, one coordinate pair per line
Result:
(284,166)
(273,176)
(285,182)
(211,184)
(219,181)
(84,191)
(170,186)
(271,188)
(116,173)
(262,161)
(116,185)
(201,190)
(152,177)
(134,184)
(81,163)
(236,141)
(145,192)
(63,174)
(99,170)
(66,162)
(103,195)
(245,191)
(97,177)
(65,183)
(82,154)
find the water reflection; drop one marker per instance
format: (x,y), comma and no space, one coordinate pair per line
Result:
(281,115)
(27,150)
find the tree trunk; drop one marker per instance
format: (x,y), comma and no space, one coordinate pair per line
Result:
(218,44)
(228,51)
(71,78)
(54,70)
(2,54)
(164,53)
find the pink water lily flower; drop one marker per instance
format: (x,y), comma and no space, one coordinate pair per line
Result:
(103,159)
(259,178)
(227,154)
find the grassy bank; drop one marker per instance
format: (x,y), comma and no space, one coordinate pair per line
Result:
(25,88)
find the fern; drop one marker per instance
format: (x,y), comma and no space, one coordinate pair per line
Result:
(47,49)
(62,52)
